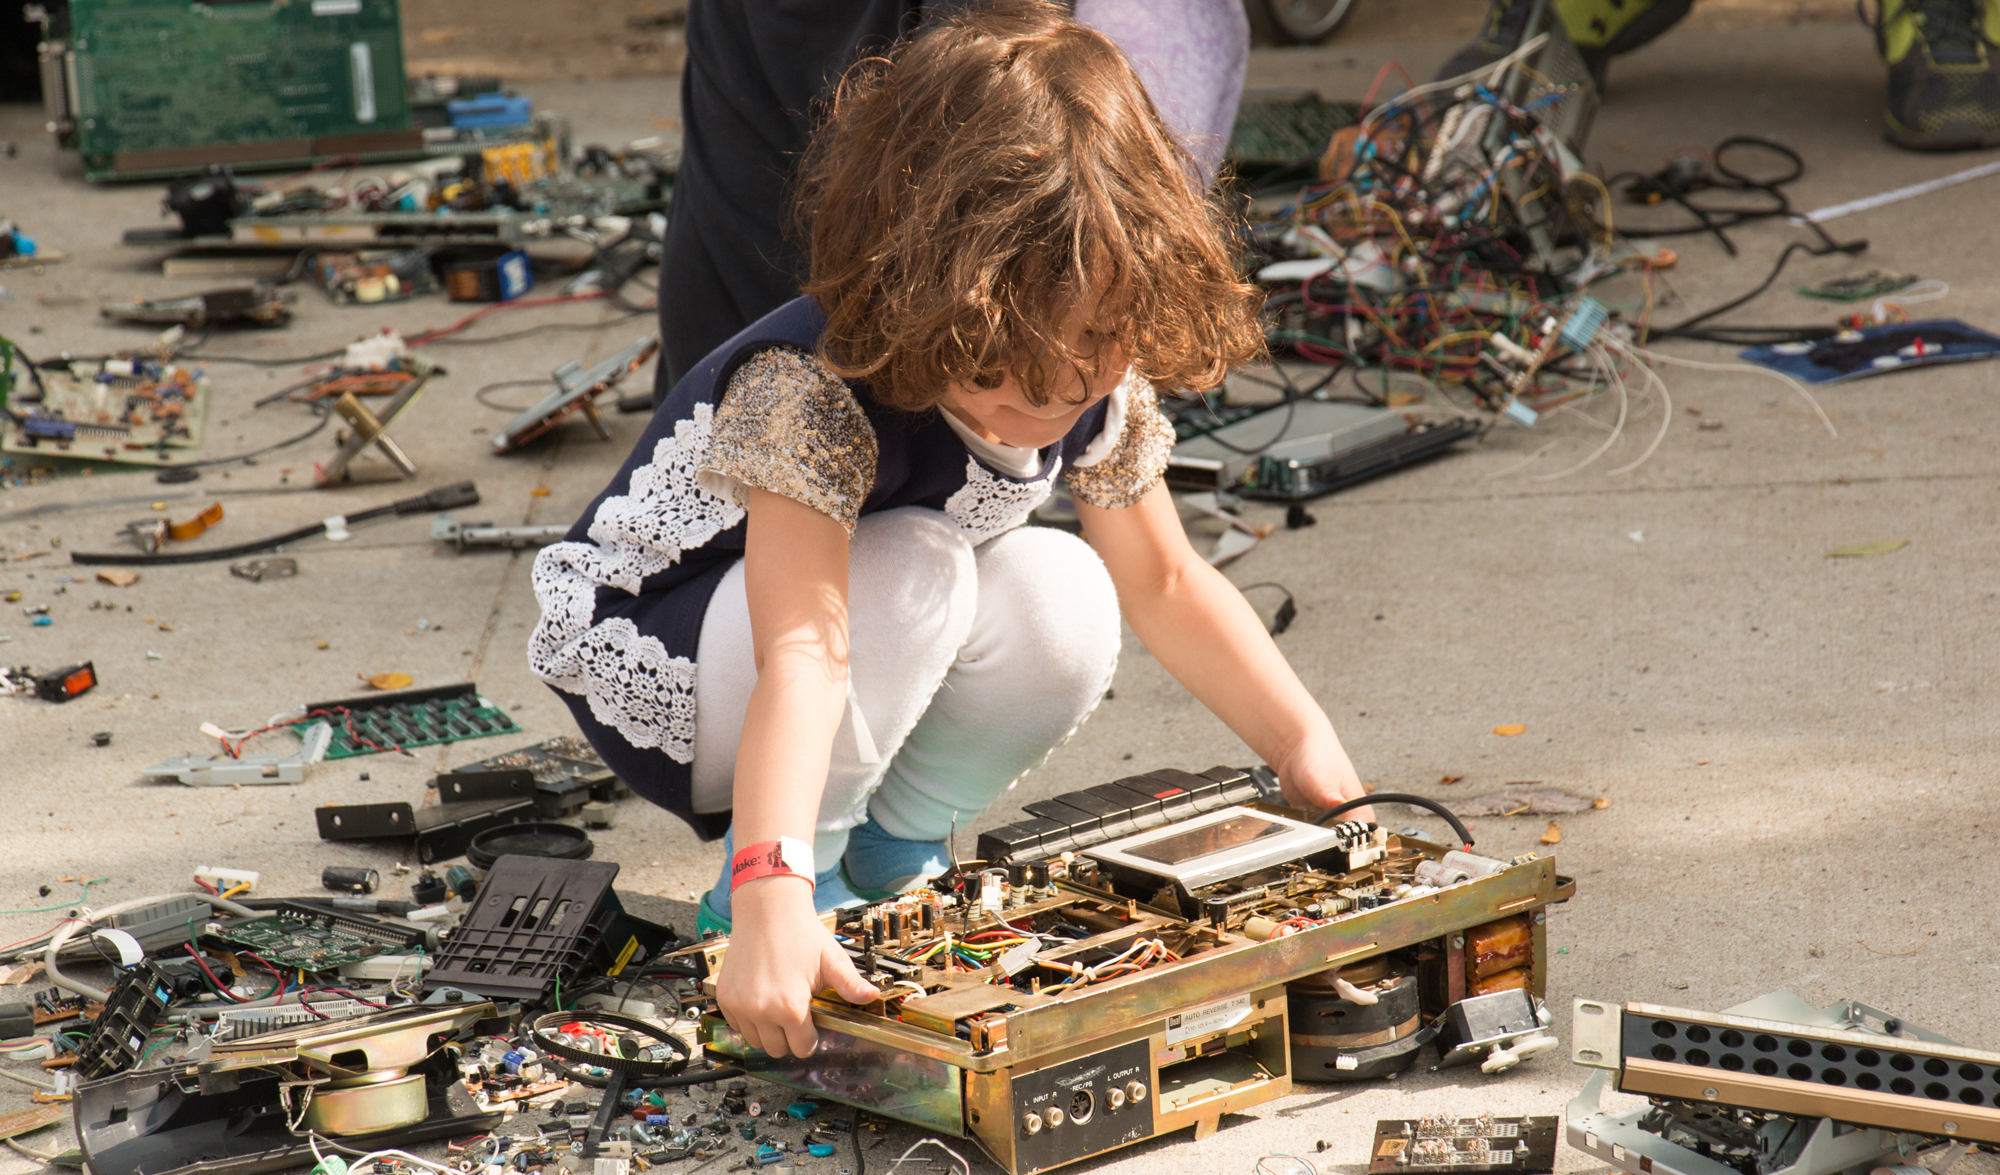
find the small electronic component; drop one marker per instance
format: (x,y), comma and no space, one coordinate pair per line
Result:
(500,279)
(1471,1146)
(376,275)
(350,879)
(138,1002)
(64,684)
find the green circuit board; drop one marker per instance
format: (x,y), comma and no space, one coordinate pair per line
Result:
(155,79)
(413,718)
(310,941)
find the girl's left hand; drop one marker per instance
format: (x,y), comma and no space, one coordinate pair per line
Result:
(1317,774)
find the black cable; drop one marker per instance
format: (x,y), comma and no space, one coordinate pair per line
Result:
(288,361)
(1389,797)
(1287,611)
(455,341)
(445,498)
(860,1164)
(1684,328)
(324,414)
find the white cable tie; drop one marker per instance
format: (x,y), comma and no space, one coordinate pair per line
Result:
(336,528)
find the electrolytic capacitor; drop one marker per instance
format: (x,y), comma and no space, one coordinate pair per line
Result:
(895,924)
(1217,910)
(875,930)
(927,915)
(350,879)
(1038,875)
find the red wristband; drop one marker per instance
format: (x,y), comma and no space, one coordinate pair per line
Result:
(786,855)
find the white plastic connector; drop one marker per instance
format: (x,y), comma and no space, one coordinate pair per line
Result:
(226,879)
(1502,1059)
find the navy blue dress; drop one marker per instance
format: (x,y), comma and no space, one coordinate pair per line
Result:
(624,595)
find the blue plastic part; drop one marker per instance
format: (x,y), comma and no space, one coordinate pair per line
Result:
(1522,413)
(24,245)
(1580,329)
(512,1060)
(802,1110)
(659,1120)
(42,621)
(820,1150)
(768,1153)
(516,275)
(490,110)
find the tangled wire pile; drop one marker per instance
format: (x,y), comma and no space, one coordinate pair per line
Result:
(1442,253)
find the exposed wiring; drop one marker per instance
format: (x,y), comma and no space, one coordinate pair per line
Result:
(86,883)
(1386,797)
(37,1082)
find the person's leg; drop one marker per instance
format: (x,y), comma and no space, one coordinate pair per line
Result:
(911,601)
(1191,55)
(1041,651)
(1943,93)
(1601,30)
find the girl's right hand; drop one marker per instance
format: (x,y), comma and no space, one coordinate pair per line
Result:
(779,955)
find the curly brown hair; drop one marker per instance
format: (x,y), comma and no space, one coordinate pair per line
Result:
(968,196)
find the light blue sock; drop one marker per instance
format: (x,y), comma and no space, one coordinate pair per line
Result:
(879,863)
(830,891)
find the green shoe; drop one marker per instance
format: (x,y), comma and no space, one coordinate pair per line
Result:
(1943,95)
(707,921)
(1600,29)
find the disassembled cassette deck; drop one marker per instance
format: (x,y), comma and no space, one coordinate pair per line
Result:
(1149,955)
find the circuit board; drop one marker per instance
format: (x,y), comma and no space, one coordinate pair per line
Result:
(160,85)
(132,411)
(1466,1146)
(311,940)
(1288,130)
(561,764)
(413,718)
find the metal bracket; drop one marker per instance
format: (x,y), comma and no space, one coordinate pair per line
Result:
(366,428)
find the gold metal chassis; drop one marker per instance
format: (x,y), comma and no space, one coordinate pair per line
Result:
(1889,1111)
(1062,1023)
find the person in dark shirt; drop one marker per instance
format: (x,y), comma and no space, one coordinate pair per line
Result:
(755,72)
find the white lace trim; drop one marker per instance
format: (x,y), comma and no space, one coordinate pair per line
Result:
(988,505)
(632,683)
(665,510)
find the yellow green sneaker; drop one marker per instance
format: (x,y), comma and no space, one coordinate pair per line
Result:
(1943,95)
(1601,29)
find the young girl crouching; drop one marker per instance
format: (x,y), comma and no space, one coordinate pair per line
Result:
(805,613)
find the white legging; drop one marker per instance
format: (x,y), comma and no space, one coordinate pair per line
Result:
(969,665)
